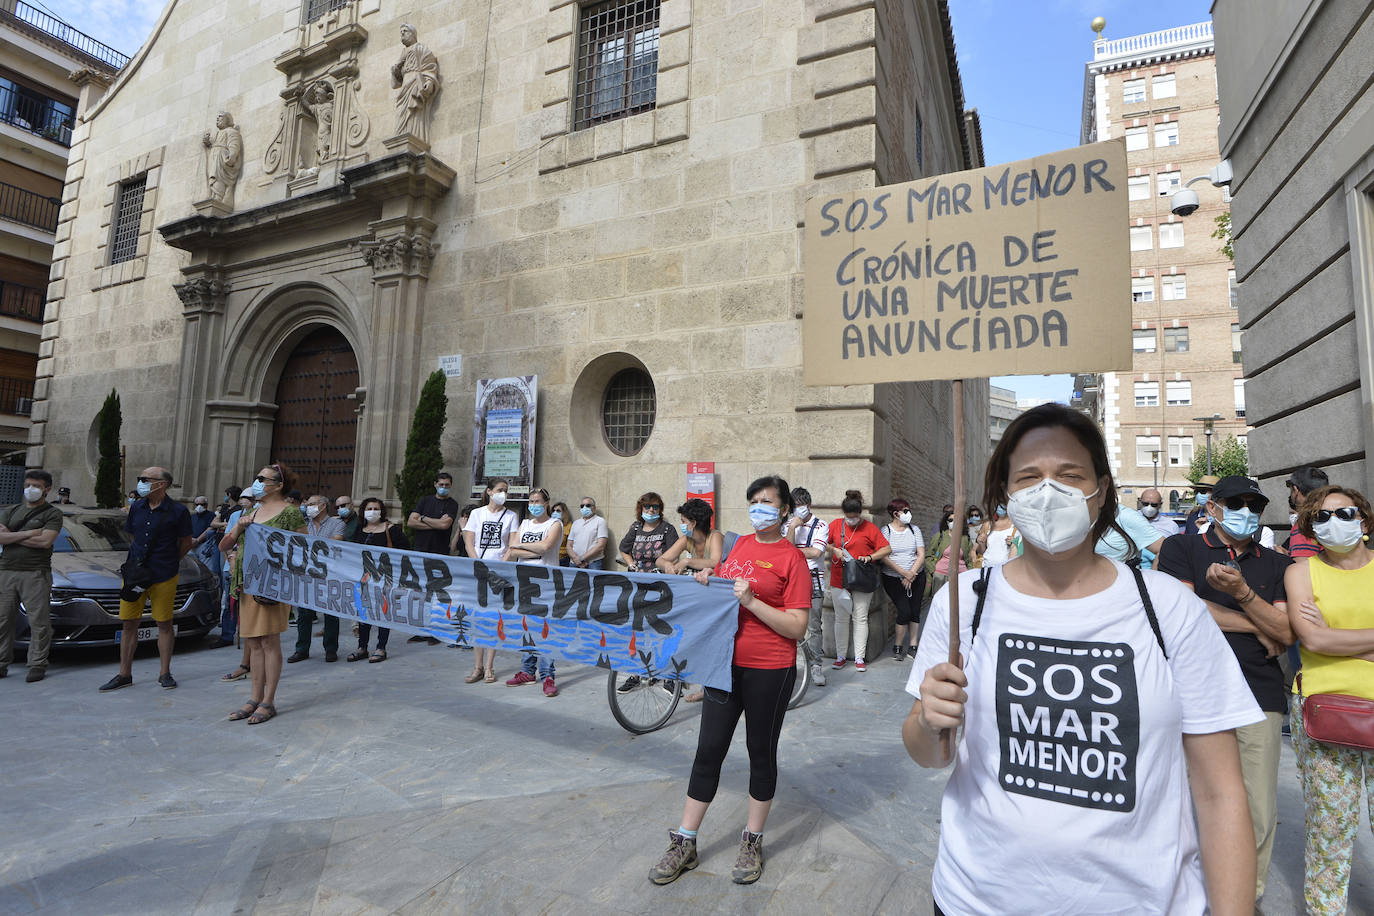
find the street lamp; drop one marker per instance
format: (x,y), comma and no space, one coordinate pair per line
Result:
(1207,424)
(1154,456)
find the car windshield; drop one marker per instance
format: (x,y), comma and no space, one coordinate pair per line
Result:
(91,532)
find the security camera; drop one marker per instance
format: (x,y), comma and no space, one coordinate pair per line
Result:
(1183,202)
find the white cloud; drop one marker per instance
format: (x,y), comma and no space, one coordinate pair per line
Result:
(122,24)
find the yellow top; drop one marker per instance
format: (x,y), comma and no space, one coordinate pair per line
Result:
(1344,596)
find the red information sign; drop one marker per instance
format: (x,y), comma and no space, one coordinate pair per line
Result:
(701,481)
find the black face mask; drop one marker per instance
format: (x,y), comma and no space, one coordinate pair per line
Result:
(1292,503)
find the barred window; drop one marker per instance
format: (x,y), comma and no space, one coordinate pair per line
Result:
(627,411)
(128,215)
(617,60)
(314,9)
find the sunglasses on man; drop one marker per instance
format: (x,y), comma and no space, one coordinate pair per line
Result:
(1345,514)
(1146,502)
(587,506)
(1253,503)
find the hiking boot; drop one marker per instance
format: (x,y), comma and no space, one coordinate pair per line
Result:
(521,678)
(749,862)
(681,856)
(817,675)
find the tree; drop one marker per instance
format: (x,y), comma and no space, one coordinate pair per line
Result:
(1223,233)
(109,489)
(1228,459)
(423,460)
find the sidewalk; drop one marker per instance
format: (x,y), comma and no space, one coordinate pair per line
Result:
(397,788)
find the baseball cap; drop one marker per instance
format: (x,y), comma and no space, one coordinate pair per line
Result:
(1307,479)
(1236,485)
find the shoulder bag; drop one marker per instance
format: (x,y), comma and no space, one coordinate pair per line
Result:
(857,576)
(1337,718)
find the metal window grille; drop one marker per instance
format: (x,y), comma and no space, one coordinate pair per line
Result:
(128,215)
(627,411)
(617,61)
(314,9)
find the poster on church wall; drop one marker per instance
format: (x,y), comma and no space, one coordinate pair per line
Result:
(503,433)
(1015,269)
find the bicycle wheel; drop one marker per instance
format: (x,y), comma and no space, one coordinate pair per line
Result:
(803,675)
(646,706)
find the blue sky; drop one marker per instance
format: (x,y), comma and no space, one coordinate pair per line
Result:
(1021,62)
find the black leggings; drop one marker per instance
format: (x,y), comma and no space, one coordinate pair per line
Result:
(761,694)
(908,606)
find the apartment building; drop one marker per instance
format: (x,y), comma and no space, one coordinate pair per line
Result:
(1159,91)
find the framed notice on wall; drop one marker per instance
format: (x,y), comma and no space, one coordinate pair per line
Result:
(503,433)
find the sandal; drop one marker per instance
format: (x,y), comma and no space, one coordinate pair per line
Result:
(357,655)
(491,676)
(378,656)
(237,674)
(474,677)
(244,711)
(259,717)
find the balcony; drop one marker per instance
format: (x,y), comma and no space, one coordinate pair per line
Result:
(25,18)
(22,302)
(16,396)
(25,109)
(28,208)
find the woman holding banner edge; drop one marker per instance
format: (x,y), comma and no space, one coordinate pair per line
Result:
(773,586)
(1131,659)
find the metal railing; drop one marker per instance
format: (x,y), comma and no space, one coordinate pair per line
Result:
(1152,41)
(36,210)
(18,301)
(314,9)
(16,396)
(48,118)
(51,25)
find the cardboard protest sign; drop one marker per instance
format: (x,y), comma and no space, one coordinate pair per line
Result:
(1015,269)
(651,625)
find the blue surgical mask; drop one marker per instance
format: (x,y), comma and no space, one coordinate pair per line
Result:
(1240,523)
(442,491)
(144,488)
(650,517)
(1001,511)
(257,489)
(762,515)
(686,529)
(1202,499)
(586,511)
(345,512)
(536,510)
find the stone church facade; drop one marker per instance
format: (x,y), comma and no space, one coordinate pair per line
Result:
(282,214)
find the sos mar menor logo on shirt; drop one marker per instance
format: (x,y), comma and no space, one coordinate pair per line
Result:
(1068,721)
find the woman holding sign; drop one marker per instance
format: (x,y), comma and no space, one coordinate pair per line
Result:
(262,621)
(376,531)
(1094,699)
(773,585)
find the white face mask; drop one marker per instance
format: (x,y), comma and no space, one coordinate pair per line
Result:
(803,512)
(1338,535)
(1051,515)
(498,498)
(373,516)
(904,517)
(312,511)
(33,494)
(1292,519)
(1149,511)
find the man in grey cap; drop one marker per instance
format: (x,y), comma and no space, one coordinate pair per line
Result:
(1301,482)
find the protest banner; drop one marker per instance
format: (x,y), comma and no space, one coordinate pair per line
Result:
(1015,269)
(651,625)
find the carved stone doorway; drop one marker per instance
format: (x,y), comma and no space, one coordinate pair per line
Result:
(316,425)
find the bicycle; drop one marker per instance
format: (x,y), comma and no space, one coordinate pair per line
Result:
(641,703)
(805,659)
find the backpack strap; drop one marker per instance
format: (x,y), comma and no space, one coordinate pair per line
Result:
(981,589)
(1149,609)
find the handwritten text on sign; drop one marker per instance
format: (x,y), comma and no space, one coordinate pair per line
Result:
(1015,269)
(650,625)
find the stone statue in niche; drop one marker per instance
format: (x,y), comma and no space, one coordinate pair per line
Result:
(223,161)
(416,75)
(320,98)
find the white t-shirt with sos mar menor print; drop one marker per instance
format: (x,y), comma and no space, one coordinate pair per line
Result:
(492,531)
(1070,790)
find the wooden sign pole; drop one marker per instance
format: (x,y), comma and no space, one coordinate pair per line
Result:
(956,539)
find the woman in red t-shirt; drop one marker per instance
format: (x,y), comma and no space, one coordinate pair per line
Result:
(852,536)
(773,585)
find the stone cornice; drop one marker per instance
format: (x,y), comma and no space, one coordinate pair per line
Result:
(399,254)
(202,294)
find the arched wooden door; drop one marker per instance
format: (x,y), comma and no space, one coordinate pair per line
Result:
(316,426)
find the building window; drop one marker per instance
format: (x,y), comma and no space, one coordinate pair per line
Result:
(1164,86)
(314,9)
(1142,289)
(1133,91)
(1180,451)
(1170,235)
(1176,340)
(1174,286)
(1137,138)
(1141,238)
(1143,341)
(1166,133)
(617,63)
(627,411)
(128,215)
(1231,286)
(1147,394)
(1240,397)
(1168,182)
(1178,394)
(1138,187)
(1146,448)
(1235,343)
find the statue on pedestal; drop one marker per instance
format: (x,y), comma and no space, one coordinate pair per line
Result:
(223,161)
(416,75)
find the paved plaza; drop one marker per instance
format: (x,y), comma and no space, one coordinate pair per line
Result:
(395,788)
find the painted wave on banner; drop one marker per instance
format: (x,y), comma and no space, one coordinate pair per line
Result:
(651,625)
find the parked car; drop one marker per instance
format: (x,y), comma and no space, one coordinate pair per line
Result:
(86,581)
